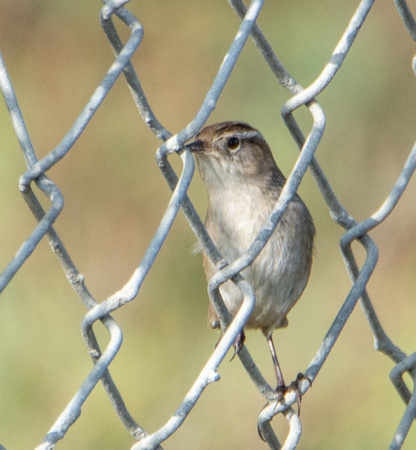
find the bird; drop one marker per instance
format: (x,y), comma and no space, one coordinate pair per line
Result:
(243,184)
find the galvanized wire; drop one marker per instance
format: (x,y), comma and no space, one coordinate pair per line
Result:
(228,270)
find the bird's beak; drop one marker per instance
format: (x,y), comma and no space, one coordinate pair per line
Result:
(195,146)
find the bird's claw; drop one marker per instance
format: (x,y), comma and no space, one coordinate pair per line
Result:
(294,385)
(238,343)
(281,392)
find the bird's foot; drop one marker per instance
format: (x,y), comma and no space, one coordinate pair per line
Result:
(282,390)
(238,343)
(293,386)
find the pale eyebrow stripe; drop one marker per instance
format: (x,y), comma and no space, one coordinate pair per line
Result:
(242,135)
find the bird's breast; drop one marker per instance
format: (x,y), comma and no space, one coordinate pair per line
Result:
(280,273)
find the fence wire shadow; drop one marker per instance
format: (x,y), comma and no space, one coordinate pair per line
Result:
(306,140)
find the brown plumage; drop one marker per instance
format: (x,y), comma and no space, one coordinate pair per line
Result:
(243,184)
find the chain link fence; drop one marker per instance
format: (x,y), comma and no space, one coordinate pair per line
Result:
(179,180)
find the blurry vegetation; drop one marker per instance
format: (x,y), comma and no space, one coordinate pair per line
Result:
(56,54)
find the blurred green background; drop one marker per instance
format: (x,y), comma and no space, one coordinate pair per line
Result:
(115,196)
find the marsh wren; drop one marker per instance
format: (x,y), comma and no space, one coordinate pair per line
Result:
(243,184)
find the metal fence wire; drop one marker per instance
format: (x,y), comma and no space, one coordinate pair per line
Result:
(306,139)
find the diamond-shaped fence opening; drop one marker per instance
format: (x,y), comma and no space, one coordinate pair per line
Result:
(124,242)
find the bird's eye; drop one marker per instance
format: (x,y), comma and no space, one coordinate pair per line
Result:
(233,143)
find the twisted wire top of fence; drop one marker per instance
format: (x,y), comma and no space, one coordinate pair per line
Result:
(91,172)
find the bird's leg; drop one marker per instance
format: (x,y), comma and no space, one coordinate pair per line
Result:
(279,376)
(281,388)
